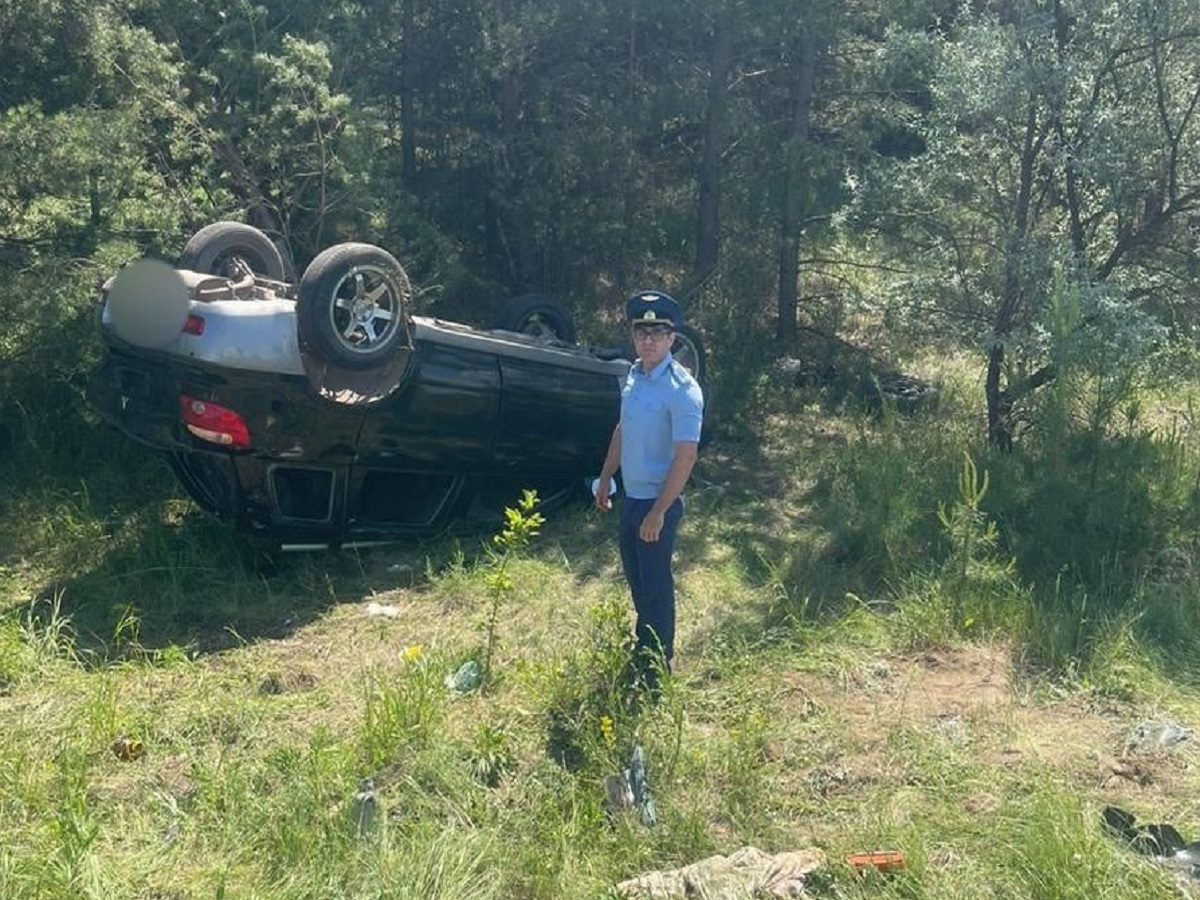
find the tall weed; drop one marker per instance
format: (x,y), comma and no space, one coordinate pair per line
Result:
(48,633)
(521,524)
(877,498)
(974,589)
(1102,527)
(402,713)
(587,688)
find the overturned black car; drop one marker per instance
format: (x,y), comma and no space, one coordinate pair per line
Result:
(324,413)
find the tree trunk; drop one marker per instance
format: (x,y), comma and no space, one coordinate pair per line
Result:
(1062,38)
(999,407)
(629,175)
(708,224)
(259,210)
(795,187)
(408,128)
(516,232)
(1012,290)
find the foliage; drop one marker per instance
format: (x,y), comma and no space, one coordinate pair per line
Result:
(1044,156)
(969,532)
(522,524)
(979,584)
(589,705)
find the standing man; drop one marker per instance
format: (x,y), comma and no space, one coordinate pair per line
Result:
(654,445)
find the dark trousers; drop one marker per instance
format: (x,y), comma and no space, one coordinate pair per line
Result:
(648,570)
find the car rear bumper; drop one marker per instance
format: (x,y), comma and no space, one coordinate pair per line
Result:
(138,397)
(298,487)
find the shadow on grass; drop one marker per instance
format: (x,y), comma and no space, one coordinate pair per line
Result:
(760,514)
(187,584)
(113,545)
(742,513)
(731,506)
(190,582)
(140,570)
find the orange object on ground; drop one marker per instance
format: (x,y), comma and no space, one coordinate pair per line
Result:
(880,860)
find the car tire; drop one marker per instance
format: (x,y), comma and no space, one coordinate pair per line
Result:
(537,316)
(352,306)
(212,249)
(905,393)
(688,350)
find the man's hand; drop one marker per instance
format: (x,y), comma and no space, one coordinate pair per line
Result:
(603,494)
(651,526)
(604,484)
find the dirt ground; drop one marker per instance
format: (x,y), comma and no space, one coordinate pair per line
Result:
(974,697)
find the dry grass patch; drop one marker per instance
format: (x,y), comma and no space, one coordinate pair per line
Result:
(972,704)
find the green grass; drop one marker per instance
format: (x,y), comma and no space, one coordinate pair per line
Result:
(854,672)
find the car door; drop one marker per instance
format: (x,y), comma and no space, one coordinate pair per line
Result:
(416,446)
(558,411)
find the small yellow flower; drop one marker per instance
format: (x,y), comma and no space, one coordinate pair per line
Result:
(606,730)
(412,653)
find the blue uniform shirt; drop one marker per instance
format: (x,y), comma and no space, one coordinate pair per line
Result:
(658,408)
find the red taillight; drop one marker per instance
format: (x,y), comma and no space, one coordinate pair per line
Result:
(194,325)
(211,422)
